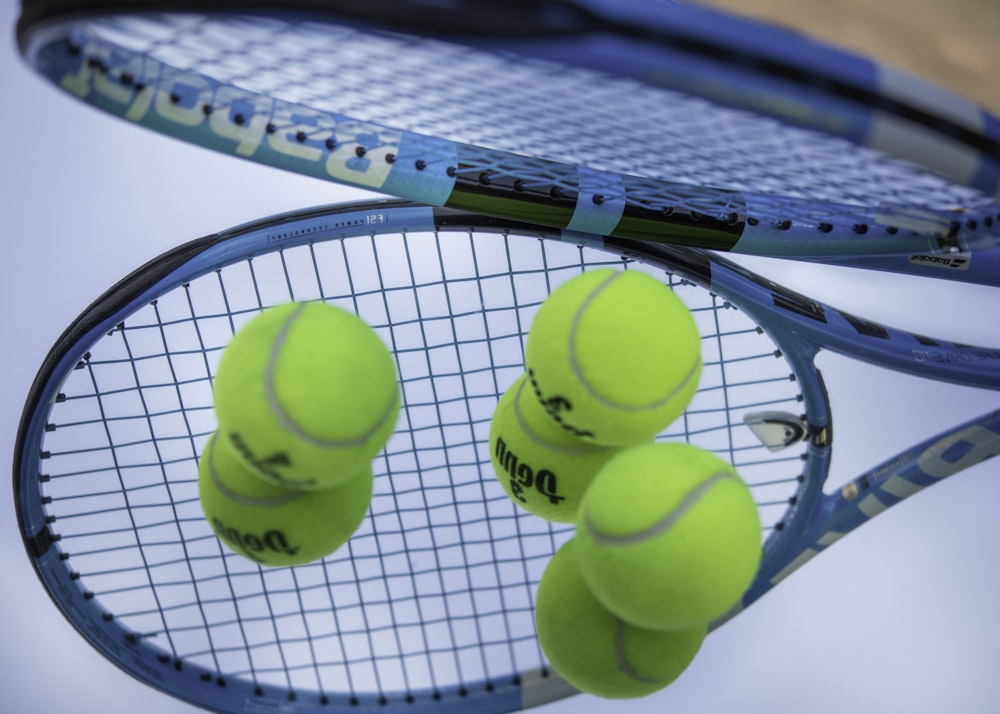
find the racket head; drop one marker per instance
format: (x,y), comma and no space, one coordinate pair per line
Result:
(564,128)
(430,603)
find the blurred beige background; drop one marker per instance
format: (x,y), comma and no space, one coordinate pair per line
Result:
(953,43)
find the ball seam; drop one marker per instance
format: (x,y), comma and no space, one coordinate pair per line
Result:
(582,450)
(661,526)
(279,500)
(578,372)
(284,418)
(623,664)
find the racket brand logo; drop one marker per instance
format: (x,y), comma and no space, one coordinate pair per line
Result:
(523,476)
(192,107)
(557,406)
(950,262)
(253,544)
(956,356)
(959,450)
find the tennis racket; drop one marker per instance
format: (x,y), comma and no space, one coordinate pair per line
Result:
(648,120)
(429,606)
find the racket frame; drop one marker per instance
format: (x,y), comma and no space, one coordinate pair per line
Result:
(800,326)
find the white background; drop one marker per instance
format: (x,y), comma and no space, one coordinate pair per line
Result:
(901,616)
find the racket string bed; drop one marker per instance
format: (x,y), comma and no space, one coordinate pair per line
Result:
(433,595)
(529,108)
(477,128)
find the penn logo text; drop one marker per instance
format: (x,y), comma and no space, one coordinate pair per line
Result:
(524,477)
(270,465)
(255,545)
(557,407)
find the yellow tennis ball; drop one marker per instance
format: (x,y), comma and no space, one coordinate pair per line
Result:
(539,465)
(668,536)
(271,525)
(614,356)
(306,394)
(596,651)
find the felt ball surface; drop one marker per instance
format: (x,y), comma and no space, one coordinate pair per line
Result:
(668,536)
(271,525)
(596,651)
(614,356)
(542,467)
(306,394)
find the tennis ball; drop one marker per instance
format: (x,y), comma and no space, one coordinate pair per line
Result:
(614,356)
(540,466)
(306,394)
(596,651)
(668,536)
(271,525)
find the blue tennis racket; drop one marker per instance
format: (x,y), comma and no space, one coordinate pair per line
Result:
(429,606)
(638,119)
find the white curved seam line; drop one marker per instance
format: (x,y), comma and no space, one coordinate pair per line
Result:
(286,421)
(661,526)
(581,378)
